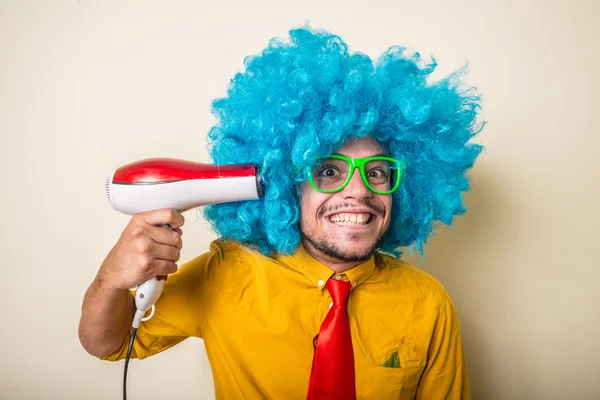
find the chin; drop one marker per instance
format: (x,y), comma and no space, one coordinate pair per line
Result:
(343,249)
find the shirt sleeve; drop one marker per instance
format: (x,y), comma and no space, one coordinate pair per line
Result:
(182,310)
(445,375)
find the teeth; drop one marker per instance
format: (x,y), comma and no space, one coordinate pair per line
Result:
(346,219)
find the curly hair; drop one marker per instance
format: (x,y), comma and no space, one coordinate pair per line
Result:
(301,99)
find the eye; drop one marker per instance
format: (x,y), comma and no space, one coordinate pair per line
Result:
(328,172)
(377,173)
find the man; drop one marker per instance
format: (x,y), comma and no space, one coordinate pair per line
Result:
(303,295)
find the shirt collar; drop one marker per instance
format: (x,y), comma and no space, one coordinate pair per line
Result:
(318,273)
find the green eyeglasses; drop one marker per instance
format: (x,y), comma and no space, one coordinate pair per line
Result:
(382,175)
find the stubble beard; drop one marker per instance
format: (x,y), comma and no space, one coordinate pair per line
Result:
(326,246)
(332,250)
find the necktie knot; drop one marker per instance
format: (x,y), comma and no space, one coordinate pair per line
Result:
(338,290)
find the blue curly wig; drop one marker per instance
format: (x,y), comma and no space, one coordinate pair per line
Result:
(302,99)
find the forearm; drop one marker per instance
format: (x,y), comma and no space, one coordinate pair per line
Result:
(105,318)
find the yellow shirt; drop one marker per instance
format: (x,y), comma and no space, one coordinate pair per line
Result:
(258,317)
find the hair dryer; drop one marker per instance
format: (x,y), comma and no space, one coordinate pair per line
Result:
(181,185)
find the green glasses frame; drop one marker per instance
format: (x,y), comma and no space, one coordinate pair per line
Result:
(360,164)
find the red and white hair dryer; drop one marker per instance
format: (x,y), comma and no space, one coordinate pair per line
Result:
(179,185)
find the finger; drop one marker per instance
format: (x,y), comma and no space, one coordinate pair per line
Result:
(165,252)
(163,267)
(165,236)
(164,216)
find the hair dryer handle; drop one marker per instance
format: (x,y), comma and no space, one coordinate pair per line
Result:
(146,294)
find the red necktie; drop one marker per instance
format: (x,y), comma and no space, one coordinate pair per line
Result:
(332,375)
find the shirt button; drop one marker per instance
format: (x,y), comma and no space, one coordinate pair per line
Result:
(337,277)
(330,305)
(320,283)
(353,284)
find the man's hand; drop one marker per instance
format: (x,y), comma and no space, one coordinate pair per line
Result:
(144,250)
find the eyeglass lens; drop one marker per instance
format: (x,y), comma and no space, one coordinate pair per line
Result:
(332,173)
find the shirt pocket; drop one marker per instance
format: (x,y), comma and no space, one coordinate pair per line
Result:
(391,383)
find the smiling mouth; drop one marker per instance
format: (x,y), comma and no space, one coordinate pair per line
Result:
(351,219)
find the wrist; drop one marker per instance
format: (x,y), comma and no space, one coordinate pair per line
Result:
(104,283)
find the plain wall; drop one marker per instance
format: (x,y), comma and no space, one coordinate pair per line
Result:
(87,86)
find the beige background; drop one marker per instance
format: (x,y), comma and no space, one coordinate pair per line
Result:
(86,86)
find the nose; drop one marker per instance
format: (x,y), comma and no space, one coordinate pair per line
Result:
(356,188)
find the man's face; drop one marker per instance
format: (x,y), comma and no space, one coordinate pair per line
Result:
(346,226)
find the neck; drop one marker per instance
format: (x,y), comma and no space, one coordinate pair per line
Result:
(335,264)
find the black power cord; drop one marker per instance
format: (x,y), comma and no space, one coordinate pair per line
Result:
(127,362)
